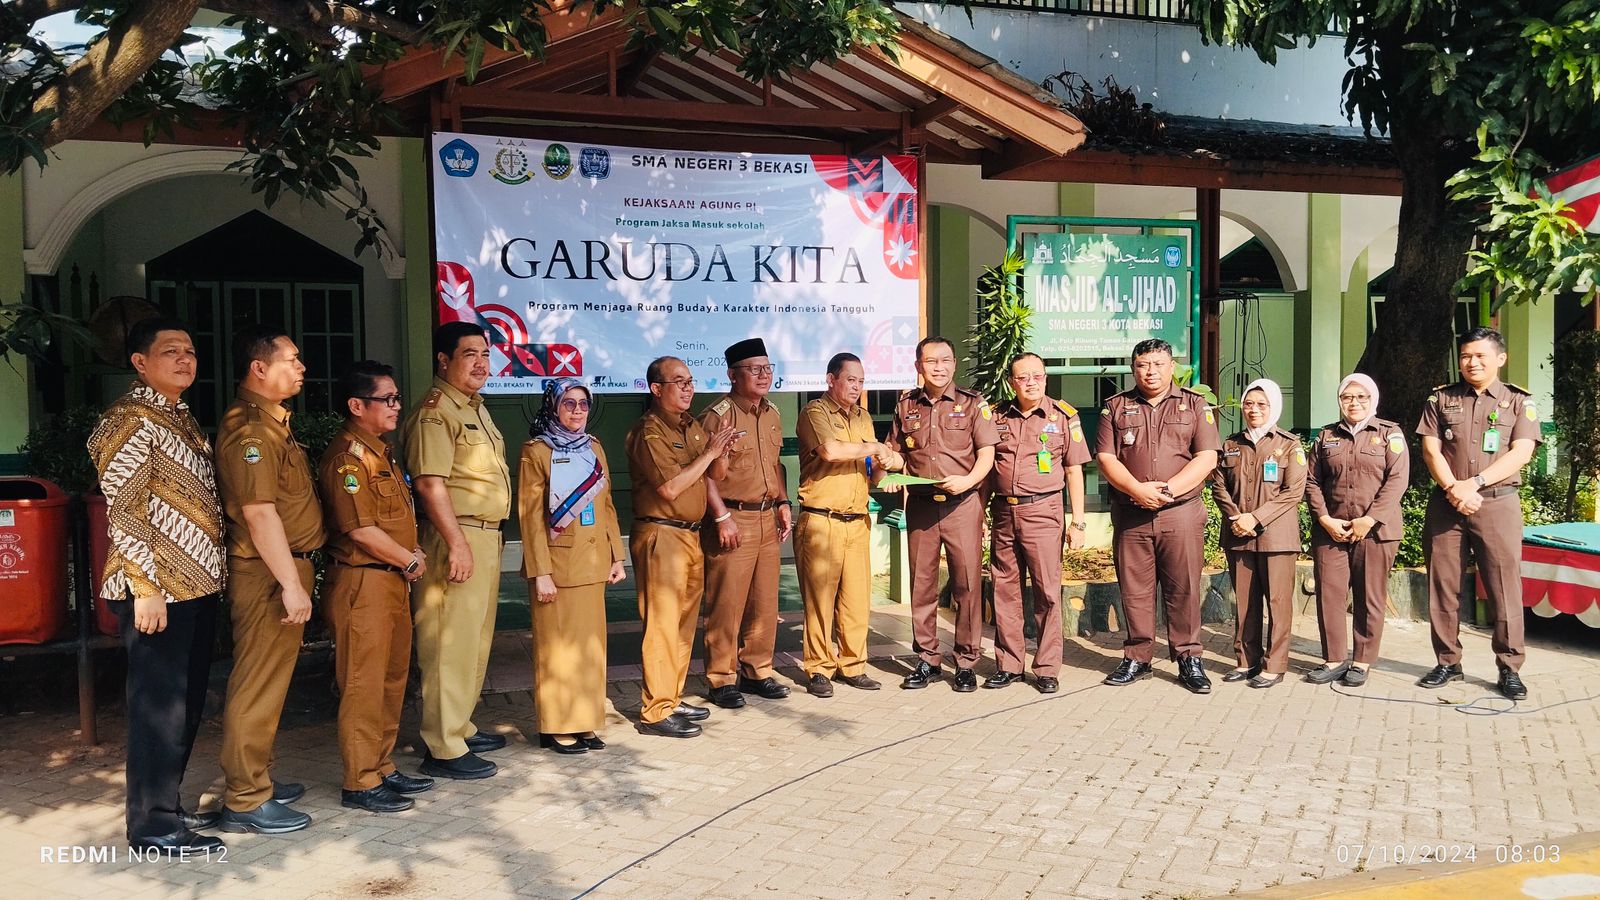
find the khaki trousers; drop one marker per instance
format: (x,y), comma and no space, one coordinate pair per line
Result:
(569,659)
(1165,547)
(1363,566)
(264,654)
(1493,537)
(836,587)
(1027,537)
(370,611)
(670,572)
(957,524)
(1263,584)
(454,628)
(742,599)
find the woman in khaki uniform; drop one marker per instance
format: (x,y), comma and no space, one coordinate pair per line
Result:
(1258,484)
(572,548)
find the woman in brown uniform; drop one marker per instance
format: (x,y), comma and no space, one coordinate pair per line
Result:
(571,549)
(1359,469)
(1258,484)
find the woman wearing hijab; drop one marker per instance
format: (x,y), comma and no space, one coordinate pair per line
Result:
(1359,469)
(571,549)
(1258,483)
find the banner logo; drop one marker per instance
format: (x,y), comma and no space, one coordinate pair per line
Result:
(594,162)
(460,159)
(1172,257)
(511,166)
(557,161)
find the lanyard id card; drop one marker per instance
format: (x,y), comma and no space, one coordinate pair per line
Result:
(587,516)
(1044,455)
(1491,441)
(1269,469)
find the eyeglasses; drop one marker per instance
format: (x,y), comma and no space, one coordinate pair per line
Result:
(1029,378)
(682,384)
(757,370)
(1262,406)
(390,400)
(571,405)
(1362,399)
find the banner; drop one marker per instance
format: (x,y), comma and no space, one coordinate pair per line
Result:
(592,260)
(1096,295)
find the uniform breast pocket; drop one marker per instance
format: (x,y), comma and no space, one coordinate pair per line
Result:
(1177,431)
(958,422)
(475,451)
(1128,437)
(566,539)
(1453,418)
(391,498)
(742,458)
(1372,448)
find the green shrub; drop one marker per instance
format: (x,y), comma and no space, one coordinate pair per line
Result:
(57,449)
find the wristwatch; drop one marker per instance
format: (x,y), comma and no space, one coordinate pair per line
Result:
(1478,480)
(1079,526)
(412,569)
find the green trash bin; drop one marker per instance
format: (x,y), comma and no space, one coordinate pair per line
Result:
(899,556)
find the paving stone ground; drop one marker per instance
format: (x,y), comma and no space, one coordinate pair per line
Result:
(1095,792)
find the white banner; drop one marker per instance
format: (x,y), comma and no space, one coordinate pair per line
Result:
(591,261)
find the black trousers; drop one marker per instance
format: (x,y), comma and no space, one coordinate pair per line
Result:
(167,676)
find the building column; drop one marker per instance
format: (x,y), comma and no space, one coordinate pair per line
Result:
(416,335)
(1530,333)
(953,294)
(14,370)
(1318,311)
(1074,199)
(1353,321)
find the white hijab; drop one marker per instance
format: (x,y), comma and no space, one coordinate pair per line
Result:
(1357,378)
(1274,407)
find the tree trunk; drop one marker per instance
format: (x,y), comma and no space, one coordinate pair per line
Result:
(1412,346)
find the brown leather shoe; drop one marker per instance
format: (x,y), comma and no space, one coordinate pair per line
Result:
(860,682)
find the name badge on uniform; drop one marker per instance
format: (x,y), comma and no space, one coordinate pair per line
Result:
(471,427)
(1491,441)
(587,516)
(1050,428)
(1269,469)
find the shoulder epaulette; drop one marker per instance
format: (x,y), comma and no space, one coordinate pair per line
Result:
(357,449)
(1518,388)
(722,406)
(1067,409)
(432,399)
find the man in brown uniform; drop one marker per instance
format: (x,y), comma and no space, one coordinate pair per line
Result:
(457,460)
(1477,434)
(375,557)
(944,432)
(839,456)
(1157,444)
(669,459)
(274,523)
(1041,451)
(750,509)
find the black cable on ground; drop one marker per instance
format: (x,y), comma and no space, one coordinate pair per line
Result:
(817,771)
(1472,707)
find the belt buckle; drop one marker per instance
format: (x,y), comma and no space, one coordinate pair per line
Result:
(940,498)
(1012,500)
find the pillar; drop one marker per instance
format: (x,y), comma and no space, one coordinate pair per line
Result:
(416,334)
(953,293)
(1353,319)
(14,368)
(1318,311)
(1530,332)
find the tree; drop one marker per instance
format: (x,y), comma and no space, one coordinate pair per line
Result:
(1480,99)
(299,82)
(1577,409)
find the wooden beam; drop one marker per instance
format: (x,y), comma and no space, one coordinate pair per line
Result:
(1117,167)
(663,138)
(911,101)
(933,112)
(635,70)
(646,111)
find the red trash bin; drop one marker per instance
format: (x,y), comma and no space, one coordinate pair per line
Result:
(33,561)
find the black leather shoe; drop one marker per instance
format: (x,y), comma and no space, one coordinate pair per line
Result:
(1000,679)
(270,817)
(672,726)
(199,821)
(1266,681)
(966,680)
(692,713)
(920,676)
(549,742)
(1327,673)
(466,767)
(287,791)
(727,696)
(401,783)
(1441,675)
(862,682)
(767,688)
(1127,672)
(1354,677)
(482,742)
(182,839)
(1046,684)
(378,799)
(1511,685)
(819,686)
(1242,674)
(593,742)
(1192,675)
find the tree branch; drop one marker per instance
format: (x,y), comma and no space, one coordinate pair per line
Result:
(99,77)
(34,10)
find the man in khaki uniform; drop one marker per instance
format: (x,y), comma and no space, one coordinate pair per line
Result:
(274,524)
(669,459)
(1041,453)
(839,457)
(944,432)
(457,461)
(375,557)
(751,514)
(1477,434)
(1157,445)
